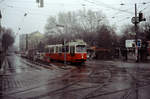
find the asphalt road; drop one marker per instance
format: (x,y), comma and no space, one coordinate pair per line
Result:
(24,79)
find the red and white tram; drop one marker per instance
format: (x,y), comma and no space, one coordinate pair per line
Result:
(73,52)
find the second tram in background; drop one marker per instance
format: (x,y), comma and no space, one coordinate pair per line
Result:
(72,52)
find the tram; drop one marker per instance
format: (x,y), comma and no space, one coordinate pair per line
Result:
(72,52)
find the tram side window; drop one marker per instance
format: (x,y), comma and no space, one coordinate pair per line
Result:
(72,49)
(65,48)
(57,50)
(52,50)
(60,49)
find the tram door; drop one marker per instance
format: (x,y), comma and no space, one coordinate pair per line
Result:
(72,50)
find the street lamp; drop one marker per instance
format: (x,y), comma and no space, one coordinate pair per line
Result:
(122,4)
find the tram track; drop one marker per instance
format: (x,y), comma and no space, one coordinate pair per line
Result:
(65,87)
(135,74)
(101,86)
(36,64)
(127,91)
(97,87)
(117,91)
(137,79)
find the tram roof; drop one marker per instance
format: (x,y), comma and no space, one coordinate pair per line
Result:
(76,43)
(54,45)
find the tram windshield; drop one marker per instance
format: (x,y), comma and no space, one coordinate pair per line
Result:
(81,48)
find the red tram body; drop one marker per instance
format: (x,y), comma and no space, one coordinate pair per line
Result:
(73,52)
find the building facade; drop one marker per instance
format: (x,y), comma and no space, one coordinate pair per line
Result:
(30,41)
(22,42)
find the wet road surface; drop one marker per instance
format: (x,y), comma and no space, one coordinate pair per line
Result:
(94,80)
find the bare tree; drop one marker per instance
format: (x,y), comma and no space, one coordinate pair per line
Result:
(7,39)
(106,37)
(87,25)
(145,29)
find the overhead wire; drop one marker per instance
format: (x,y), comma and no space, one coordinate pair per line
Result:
(140,10)
(46,3)
(119,10)
(20,25)
(145,8)
(18,8)
(105,5)
(31,13)
(108,6)
(117,14)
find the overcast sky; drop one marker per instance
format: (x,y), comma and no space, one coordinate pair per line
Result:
(13,12)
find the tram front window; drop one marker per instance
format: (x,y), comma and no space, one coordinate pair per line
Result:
(81,48)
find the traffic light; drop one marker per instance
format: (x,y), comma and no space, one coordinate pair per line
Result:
(37,1)
(138,43)
(40,3)
(140,16)
(144,19)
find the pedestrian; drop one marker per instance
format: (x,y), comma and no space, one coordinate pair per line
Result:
(1,59)
(126,53)
(143,51)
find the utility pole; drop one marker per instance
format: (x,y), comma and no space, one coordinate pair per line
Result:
(136,50)
(135,20)
(136,36)
(26,42)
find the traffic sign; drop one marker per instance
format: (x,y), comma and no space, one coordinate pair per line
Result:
(139,43)
(129,43)
(133,20)
(132,33)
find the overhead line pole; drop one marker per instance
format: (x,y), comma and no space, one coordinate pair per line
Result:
(136,36)
(137,51)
